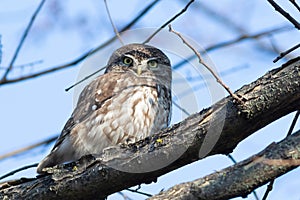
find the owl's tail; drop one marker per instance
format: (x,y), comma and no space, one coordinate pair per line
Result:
(48,161)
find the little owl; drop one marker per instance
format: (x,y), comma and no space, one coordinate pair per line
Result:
(129,102)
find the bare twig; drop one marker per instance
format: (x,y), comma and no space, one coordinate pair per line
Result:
(180,108)
(88,76)
(30,64)
(293,123)
(138,192)
(235,41)
(83,56)
(168,22)
(218,17)
(22,40)
(273,43)
(129,25)
(124,196)
(18,170)
(295,4)
(246,36)
(53,69)
(231,158)
(24,149)
(285,14)
(228,23)
(201,61)
(112,23)
(269,189)
(281,55)
(0,50)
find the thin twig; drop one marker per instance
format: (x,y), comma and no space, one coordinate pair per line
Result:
(218,17)
(281,55)
(293,123)
(25,65)
(88,76)
(22,40)
(285,14)
(129,25)
(83,56)
(295,4)
(245,37)
(273,43)
(201,61)
(112,23)
(228,23)
(24,149)
(232,158)
(138,192)
(234,41)
(292,126)
(53,69)
(180,108)
(255,195)
(0,50)
(200,82)
(168,22)
(18,170)
(124,196)
(269,189)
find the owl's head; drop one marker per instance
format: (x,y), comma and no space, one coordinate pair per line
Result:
(140,60)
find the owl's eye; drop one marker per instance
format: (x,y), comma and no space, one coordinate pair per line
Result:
(127,60)
(152,63)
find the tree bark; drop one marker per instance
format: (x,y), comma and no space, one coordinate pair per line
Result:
(215,130)
(242,178)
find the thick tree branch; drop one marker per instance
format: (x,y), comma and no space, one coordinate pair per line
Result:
(242,178)
(267,99)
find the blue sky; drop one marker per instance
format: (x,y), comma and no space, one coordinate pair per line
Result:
(36,109)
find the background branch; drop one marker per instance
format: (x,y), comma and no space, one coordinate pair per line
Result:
(285,14)
(169,21)
(83,56)
(234,41)
(27,148)
(22,40)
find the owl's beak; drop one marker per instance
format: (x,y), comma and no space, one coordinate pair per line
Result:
(139,69)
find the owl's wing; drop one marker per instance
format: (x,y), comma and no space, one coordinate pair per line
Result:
(91,99)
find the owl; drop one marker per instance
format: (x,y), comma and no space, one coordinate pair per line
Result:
(129,102)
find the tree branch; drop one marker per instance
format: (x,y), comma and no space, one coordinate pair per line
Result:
(27,148)
(83,56)
(242,178)
(169,21)
(234,41)
(267,99)
(285,14)
(22,40)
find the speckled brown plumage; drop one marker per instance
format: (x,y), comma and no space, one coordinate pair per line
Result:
(130,101)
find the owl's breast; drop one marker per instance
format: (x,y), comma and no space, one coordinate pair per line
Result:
(128,116)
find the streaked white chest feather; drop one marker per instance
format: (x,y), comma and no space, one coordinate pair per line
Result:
(135,118)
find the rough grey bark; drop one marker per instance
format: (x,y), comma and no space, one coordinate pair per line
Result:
(242,178)
(267,99)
